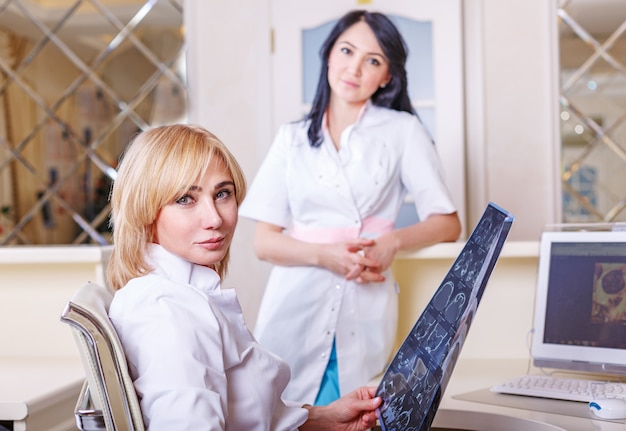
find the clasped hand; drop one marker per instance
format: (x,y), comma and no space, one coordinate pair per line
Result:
(352,260)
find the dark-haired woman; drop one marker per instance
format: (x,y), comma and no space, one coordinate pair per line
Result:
(326,199)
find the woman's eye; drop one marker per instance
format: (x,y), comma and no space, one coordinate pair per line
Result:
(374,62)
(184,200)
(345,50)
(223,194)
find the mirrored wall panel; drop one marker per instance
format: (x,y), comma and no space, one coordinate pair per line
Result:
(592,45)
(78,79)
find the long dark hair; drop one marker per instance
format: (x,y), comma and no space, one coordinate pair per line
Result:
(394,95)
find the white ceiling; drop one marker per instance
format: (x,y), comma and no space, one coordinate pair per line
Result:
(595,15)
(599,17)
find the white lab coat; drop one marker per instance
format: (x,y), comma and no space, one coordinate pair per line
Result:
(193,361)
(324,195)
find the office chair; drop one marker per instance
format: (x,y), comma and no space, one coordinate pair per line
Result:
(108,400)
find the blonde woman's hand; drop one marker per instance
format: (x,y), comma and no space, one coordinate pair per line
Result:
(355,411)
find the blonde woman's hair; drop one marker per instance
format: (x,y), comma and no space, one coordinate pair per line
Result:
(156,166)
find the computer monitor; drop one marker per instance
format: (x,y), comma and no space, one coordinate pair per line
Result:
(580,306)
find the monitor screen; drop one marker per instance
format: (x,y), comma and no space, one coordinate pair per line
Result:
(580,310)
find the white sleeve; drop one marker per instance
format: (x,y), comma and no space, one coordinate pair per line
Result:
(422,173)
(267,198)
(177,391)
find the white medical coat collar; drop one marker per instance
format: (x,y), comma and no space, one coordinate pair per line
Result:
(180,270)
(362,112)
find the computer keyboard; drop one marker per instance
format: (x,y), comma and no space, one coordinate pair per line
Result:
(561,388)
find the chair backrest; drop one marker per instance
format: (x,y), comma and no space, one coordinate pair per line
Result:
(110,387)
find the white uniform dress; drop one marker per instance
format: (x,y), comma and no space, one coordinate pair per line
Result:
(323,195)
(193,361)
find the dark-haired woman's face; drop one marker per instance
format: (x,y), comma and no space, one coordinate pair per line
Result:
(357,66)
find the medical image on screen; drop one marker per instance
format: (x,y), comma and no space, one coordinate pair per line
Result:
(609,293)
(586,297)
(414,382)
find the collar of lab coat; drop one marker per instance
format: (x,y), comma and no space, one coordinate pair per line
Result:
(368,104)
(180,270)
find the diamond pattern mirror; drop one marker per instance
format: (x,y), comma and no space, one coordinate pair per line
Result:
(79,77)
(592,41)
(77,80)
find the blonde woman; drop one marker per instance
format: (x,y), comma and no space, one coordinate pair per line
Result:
(194,363)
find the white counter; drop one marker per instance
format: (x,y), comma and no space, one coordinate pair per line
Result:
(450,250)
(39,393)
(47,254)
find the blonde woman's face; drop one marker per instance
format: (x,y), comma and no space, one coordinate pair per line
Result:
(199,225)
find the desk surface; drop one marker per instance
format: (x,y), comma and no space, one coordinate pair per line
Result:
(64,254)
(472,375)
(29,385)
